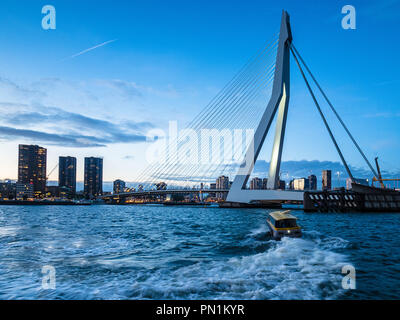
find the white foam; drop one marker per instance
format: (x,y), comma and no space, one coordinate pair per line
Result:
(262,229)
(290,269)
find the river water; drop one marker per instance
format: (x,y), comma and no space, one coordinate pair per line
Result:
(157,252)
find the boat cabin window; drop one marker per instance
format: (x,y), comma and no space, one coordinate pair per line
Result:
(287,223)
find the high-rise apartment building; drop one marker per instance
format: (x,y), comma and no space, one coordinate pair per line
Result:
(93,184)
(67,173)
(32,167)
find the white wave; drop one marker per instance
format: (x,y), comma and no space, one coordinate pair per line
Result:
(8,231)
(290,269)
(313,234)
(262,229)
(334,243)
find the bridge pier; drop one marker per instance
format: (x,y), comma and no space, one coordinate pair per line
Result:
(279,101)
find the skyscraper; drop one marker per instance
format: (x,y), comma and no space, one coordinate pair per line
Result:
(67,173)
(32,167)
(313,182)
(326,179)
(93,176)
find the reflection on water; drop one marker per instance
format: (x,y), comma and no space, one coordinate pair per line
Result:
(156,252)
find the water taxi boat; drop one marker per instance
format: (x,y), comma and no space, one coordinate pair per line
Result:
(283,224)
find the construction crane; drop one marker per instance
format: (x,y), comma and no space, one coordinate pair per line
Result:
(379,178)
(51,171)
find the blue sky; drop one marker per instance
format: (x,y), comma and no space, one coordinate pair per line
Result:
(169,58)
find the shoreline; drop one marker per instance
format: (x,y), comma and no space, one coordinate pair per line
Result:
(41,203)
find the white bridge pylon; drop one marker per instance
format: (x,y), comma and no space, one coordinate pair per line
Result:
(279,101)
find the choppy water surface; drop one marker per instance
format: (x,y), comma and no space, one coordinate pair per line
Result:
(157,252)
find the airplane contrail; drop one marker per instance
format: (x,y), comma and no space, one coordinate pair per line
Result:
(90,49)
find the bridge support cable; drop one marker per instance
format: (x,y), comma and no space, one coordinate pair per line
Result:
(226,123)
(234,114)
(220,99)
(239,106)
(221,102)
(231,107)
(335,112)
(239,78)
(199,170)
(245,104)
(322,116)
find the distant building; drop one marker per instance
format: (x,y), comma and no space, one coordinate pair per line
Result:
(300,184)
(326,179)
(66,193)
(93,184)
(256,184)
(264,183)
(213,186)
(312,179)
(7,190)
(119,186)
(32,167)
(222,183)
(291,184)
(67,173)
(282,184)
(53,191)
(24,191)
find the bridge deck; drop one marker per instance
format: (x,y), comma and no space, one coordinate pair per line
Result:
(161,192)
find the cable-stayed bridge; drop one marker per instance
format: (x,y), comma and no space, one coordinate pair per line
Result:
(227,136)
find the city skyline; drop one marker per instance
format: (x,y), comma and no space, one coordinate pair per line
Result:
(297,170)
(31,157)
(146,88)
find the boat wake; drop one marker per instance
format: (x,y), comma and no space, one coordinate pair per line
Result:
(305,268)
